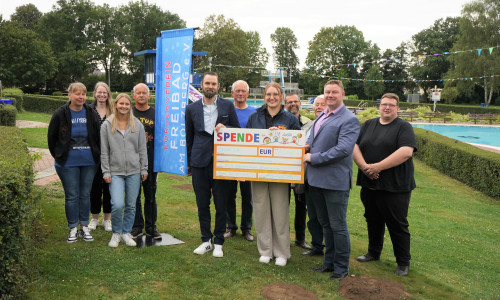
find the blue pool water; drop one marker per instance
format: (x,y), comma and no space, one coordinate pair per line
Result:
(470,134)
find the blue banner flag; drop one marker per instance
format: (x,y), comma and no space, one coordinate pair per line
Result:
(173,70)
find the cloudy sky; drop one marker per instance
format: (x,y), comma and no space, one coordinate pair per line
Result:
(385,22)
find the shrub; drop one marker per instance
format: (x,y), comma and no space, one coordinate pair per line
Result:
(45,104)
(18,99)
(367,114)
(17,208)
(8,115)
(475,167)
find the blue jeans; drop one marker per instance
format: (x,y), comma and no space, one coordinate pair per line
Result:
(124,190)
(331,209)
(77,183)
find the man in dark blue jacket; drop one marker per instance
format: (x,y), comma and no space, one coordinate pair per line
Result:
(203,118)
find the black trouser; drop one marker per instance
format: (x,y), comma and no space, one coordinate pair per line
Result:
(204,186)
(150,209)
(246,205)
(99,195)
(391,209)
(300,215)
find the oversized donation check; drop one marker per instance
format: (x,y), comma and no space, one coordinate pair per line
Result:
(259,155)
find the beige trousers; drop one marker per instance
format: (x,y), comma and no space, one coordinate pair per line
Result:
(270,206)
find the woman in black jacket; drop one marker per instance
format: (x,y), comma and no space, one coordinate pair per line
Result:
(74,142)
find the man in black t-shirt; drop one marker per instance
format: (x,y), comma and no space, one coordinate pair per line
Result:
(146,114)
(383,153)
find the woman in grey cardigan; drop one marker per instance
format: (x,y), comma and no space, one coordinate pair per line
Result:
(124,162)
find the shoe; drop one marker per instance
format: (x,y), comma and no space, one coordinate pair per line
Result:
(85,234)
(73,235)
(128,239)
(366,258)
(107,225)
(303,245)
(218,251)
(402,270)
(203,248)
(115,240)
(248,235)
(280,261)
(322,269)
(93,224)
(265,259)
(336,276)
(313,252)
(229,233)
(136,232)
(155,235)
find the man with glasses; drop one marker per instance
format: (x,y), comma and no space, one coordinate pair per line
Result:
(293,105)
(240,91)
(383,153)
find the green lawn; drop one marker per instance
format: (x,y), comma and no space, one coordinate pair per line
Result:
(455,241)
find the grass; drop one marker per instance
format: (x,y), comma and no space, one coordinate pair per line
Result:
(34,116)
(455,239)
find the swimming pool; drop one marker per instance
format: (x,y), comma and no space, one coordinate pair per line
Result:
(486,135)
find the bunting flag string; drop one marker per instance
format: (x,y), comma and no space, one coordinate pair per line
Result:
(363,80)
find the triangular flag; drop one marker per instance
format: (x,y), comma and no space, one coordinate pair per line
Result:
(479,52)
(491,49)
(354,65)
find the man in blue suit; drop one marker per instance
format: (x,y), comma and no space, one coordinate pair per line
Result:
(331,143)
(203,118)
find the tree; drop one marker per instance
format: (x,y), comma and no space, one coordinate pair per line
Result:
(103,40)
(284,44)
(257,56)
(26,59)
(140,23)
(26,16)
(66,29)
(480,29)
(437,39)
(227,47)
(338,52)
(373,83)
(394,66)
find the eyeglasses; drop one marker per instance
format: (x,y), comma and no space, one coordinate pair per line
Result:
(240,91)
(388,105)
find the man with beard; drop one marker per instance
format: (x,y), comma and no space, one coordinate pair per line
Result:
(201,119)
(240,91)
(293,105)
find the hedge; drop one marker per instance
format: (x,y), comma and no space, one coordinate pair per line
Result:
(44,104)
(18,210)
(8,115)
(475,167)
(18,99)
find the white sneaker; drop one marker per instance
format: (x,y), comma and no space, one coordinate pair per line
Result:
(93,224)
(204,248)
(73,235)
(129,241)
(85,234)
(115,240)
(265,259)
(107,225)
(218,251)
(280,261)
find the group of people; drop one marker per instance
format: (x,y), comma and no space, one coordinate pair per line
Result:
(102,152)
(382,148)
(112,145)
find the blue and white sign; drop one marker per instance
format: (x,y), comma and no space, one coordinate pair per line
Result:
(173,69)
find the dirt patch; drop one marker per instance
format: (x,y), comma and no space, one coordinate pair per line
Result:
(186,187)
(353,287)
(280,290)
(176,177)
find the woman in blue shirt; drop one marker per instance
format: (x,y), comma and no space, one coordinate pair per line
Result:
(74,142)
